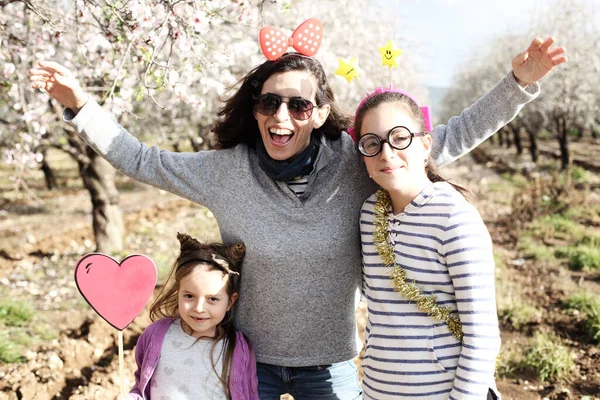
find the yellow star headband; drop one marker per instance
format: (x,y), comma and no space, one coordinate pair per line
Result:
(389,54)
(349,70)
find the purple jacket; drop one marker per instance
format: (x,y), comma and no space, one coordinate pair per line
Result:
(243,382)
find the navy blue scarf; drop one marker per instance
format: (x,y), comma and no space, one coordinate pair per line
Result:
(295,166)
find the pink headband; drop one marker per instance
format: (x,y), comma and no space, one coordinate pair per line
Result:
(425,110)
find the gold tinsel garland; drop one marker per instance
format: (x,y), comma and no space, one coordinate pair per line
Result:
(427,304)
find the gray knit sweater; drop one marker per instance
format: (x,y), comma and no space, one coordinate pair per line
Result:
(303,263)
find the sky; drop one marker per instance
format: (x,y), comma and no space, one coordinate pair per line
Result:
(452,30)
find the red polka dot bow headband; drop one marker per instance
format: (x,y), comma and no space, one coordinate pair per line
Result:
(306,39)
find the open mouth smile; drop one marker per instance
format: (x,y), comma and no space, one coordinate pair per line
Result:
(280,136)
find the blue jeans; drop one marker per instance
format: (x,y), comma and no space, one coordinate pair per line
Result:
(321,382)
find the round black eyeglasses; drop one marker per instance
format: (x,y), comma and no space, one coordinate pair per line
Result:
(299,108)
(399,138)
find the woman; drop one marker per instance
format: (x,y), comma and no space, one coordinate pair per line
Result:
(289,184)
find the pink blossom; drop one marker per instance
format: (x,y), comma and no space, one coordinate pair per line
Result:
(9,69)
(200,23)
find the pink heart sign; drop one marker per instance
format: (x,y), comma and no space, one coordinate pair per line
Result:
(118,292)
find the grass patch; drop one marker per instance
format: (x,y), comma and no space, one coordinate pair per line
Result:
(591,238)
(78,303)
(45,332)
(534,249)
(582,300)
(556,226)
(578,213)
(584,257)
(518,314)
(579,174)
(15,313)
(575,175)
(499,263)
(22,338)
(573,133)
(496,187)
(9,353)
(511,361)
(589,304)
(126,185)
(562,252)
(512,310)
(566,227)
(549,358)
(545,134)
(516,179)
(580,243)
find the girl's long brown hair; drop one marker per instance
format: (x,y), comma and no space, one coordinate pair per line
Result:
(217,257)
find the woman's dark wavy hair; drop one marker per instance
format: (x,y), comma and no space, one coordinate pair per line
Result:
(237,123)
(216,257)
(416,115)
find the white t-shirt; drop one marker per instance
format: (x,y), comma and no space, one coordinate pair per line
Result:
(184,370)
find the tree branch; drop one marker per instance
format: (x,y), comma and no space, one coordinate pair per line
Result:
(4,3)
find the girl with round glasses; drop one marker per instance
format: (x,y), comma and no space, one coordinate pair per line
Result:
(289,184)
(399,138)
(428,267)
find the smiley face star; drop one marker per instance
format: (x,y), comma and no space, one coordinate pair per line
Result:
(389,54)
(348,68)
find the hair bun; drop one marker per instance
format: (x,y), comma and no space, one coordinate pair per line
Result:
(235,254)
(188,243)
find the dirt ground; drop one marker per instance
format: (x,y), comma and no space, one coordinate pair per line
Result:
(74,352)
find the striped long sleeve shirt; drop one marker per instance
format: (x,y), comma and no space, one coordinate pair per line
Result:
(443,245)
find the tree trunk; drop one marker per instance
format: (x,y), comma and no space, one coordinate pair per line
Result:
(48,172)
(563,142)
(99,179)
(500,138)
(533,149)
(517,139)
(508,141)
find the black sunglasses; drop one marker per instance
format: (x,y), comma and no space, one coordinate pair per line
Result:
(399,138)
(299,108)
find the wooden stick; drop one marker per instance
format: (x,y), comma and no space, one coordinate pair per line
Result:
(121,364)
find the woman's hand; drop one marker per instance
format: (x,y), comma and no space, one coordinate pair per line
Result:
(535,62)
(60,83)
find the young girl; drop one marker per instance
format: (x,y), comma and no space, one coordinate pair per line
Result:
(428,267)
(192,351)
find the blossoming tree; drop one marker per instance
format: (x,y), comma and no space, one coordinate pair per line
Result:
(161,68)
